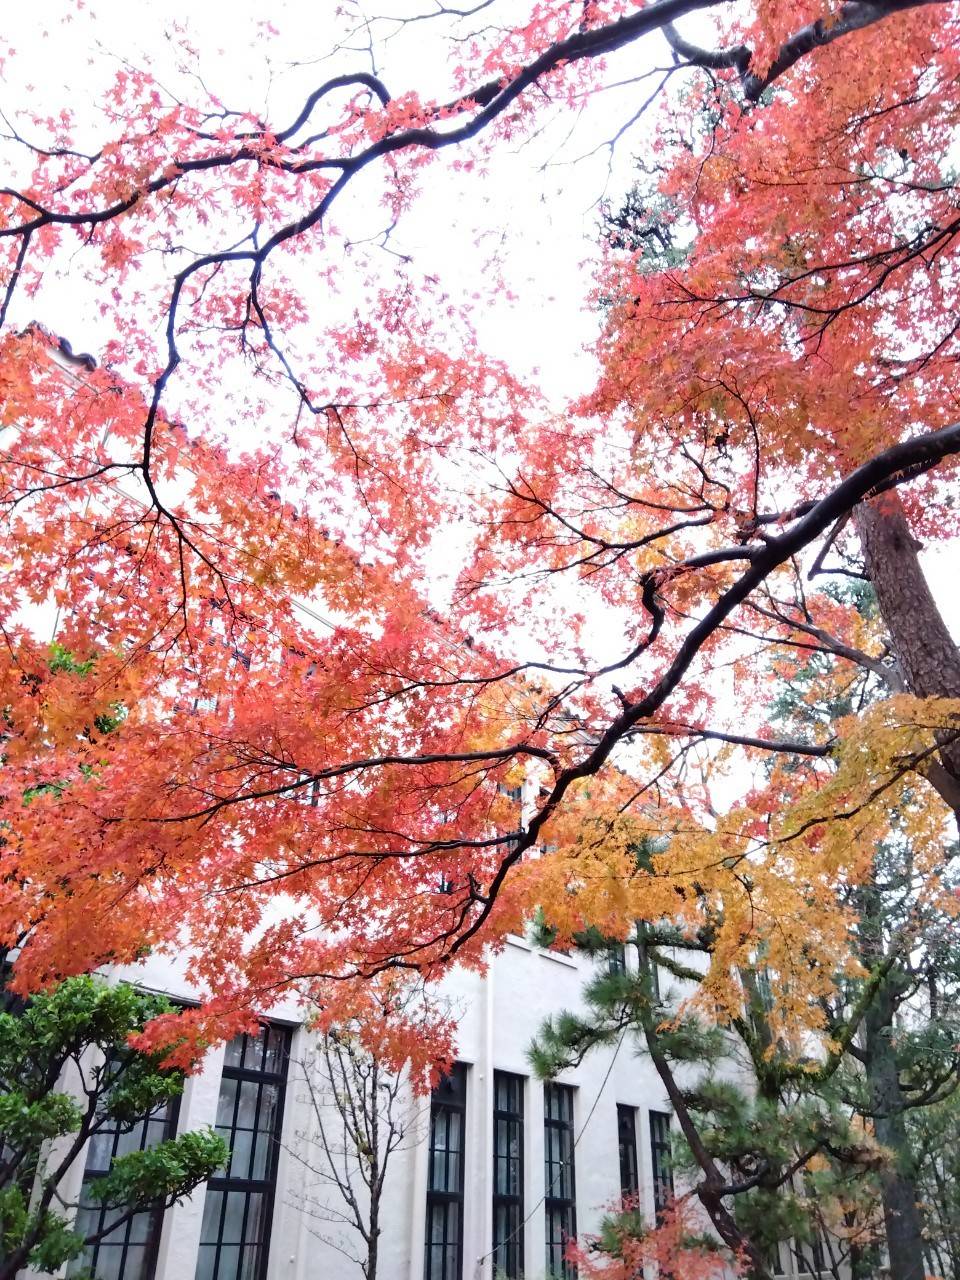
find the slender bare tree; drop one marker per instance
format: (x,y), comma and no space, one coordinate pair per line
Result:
(359,1114)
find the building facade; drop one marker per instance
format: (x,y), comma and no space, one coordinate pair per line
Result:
(496,1170)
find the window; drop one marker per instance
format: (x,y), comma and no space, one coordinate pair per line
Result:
(814,1262)
(654,978)
(627,1140)
(235,1235)
(443,1239)
(617,958)
(660,1156)
(560,1191)
(129,1251)
(515,796)
(507,1175)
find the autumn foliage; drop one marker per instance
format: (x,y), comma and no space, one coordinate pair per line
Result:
(677,1245)
(327,577)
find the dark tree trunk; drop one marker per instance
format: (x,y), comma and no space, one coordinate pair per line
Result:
(709,1191)
(901,1214)
(904,1228)
(929,665)
(926,654)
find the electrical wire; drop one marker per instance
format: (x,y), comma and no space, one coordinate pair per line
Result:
(576,1141)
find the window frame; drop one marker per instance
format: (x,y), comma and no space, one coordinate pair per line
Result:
(101,1215)
(511,1121)
(515,796)
(226,1183)
(556,1206)
(660,1153)
(629,1151)
(449,1097)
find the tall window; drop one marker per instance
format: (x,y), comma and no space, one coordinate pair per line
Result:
(654,979)
(616,958)
(560,1190)
(128,1252)
(627,1141)
(515,795)
(660,1155)
(507,1175)
(235,1236)
(814,1262)
(443,1239)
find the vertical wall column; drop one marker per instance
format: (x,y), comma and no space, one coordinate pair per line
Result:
(180,1238)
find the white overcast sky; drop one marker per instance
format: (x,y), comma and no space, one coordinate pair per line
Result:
(536,210)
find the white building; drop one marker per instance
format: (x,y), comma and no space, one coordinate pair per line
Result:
(563,1152)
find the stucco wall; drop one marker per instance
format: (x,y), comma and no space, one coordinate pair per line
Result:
(499,1012)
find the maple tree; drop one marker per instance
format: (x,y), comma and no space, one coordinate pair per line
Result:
(321,805)
(678,1243)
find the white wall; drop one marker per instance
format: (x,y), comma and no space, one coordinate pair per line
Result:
(499,1014)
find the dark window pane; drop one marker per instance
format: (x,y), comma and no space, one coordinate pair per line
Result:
(274,1051)
(238,1207)
(446,1148)
(233,1054)
(249,1262)
(212,1212)
(247,1104)
(240,1153)
(560,1185)
(261,1155)
(252,1228)
(443,1247)
(206,1261)
(139,1231)
(135,1262)
(627,1139)
(229,1262)
(508,1175)
(660,1158)
(227,1103)
(253,1053)
(109,1264)
(232,1230)
(100,1151)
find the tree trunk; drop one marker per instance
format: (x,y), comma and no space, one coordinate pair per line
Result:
(373,1242)
(898,1183)
(926,654)
(901,1215)
(708,1191)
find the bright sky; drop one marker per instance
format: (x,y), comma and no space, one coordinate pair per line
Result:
(535,212)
